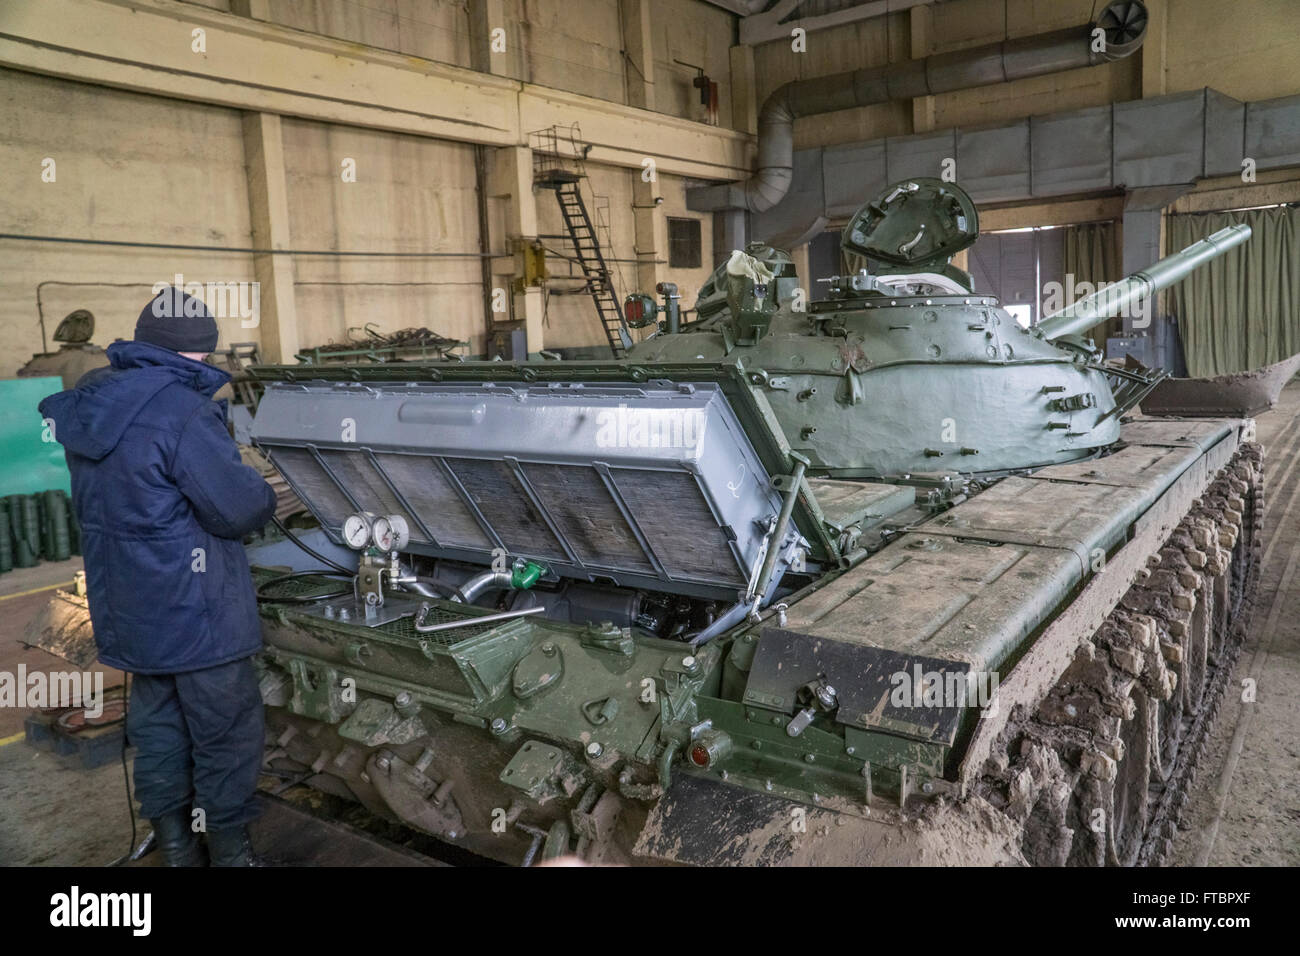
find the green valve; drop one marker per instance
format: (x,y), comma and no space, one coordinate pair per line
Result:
(526,575)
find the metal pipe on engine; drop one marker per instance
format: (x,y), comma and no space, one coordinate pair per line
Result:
(423,628)
(479,583)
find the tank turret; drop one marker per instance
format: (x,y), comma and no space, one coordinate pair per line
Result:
(76,354)
(904,370)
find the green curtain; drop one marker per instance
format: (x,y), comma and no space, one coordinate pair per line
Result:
(1092,255)
(1243,309)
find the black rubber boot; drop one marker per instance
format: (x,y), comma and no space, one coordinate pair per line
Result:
(179,844)
(232,847)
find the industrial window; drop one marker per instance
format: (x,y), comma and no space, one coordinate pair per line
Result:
(683,243)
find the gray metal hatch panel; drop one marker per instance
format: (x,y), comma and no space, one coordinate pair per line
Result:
(846,503)
(865,680)
(638,438)
(961,600)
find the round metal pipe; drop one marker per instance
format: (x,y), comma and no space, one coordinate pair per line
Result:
(481,582)
(939,73)
(423,628)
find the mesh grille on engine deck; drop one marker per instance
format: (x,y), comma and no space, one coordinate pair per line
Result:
(653,485)
(679,531)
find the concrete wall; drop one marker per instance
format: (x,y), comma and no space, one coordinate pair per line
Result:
(570,45)
(411,194)
(433,29)
(1246,50)
(144,169)
(673,189)
(148,169)
(954,26)
(972,23)
(695,33)
(573,45)
(129,168)
(140,168)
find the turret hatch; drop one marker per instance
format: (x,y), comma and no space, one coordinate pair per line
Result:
(918,224)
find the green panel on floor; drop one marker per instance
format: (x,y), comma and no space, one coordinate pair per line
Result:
(28,464)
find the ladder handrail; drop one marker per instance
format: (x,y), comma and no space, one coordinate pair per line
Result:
(584,233)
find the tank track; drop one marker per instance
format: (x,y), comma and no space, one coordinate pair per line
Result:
(1099,772)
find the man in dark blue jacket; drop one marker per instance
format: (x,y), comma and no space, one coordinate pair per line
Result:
(164,501)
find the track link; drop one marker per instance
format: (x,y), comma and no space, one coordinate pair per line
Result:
(1099,772)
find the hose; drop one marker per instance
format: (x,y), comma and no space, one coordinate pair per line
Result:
(315,554)
(303,599)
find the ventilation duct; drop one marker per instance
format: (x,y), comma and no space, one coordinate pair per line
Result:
(1123,22)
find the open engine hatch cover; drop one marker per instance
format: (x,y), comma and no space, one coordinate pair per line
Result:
(649,485)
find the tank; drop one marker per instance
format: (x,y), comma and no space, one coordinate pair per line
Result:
(880,579)
(76,355)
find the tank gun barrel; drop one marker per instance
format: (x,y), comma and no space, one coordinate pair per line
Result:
(1140,286)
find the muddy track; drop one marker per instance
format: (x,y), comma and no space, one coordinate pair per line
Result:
(1099,773)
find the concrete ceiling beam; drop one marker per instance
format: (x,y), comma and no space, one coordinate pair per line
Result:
(763,27)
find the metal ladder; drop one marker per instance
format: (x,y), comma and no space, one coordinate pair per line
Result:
(562,171)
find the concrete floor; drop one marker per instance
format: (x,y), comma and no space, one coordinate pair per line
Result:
(1244,809)
(1245,805)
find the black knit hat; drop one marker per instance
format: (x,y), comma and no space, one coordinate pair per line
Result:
(175,320)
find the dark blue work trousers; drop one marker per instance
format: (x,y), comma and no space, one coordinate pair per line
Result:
(198,739)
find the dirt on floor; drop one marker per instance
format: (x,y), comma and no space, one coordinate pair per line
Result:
(1245,805)
(52,811)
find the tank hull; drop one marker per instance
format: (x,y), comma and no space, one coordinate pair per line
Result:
(1095,605)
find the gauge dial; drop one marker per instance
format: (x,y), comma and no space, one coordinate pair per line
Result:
(357,531)
(390,533)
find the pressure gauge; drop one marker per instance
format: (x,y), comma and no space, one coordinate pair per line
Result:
(357,530)
(390,533)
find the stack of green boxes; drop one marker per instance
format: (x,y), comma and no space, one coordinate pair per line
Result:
(36,527)
(36,520)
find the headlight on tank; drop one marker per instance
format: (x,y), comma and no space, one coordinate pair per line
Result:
(709,749)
